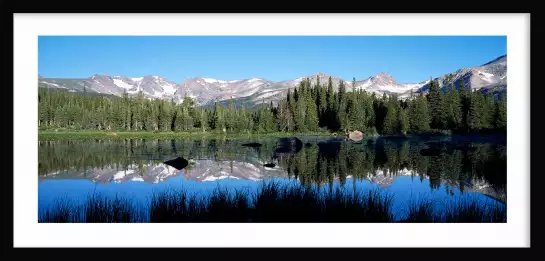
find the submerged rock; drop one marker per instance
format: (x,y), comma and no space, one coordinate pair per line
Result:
(178,163)
(288,146)
(270,165)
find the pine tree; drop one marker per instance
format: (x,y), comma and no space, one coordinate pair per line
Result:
(291,111)
(282,116)
(341,110)
(465,102)
(500,118)
(311,119)
(435,101)
(187,120)
(204,120)
(402,121)
(242,120)
(475,111)
(367,104)
(390,121)
(330,110)
(230,116)
(323,106)
(216,122)
(179,119)
(300,111)
(380,109)
(453,109)
(418,114)
(265,120)
(488,111)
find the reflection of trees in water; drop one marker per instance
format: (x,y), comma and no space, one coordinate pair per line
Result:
(322,162)
(55,156)
(326,162)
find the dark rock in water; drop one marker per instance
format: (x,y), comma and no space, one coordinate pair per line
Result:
(308,145)
(178,163)
(430,152)
(252,144)
(269,165)
(288,146)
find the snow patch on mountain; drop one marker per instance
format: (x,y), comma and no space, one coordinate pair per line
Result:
(120,83)
(267,95)
(211,80)
(254,80)
(486,76)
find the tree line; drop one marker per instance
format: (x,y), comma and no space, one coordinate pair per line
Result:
(307,108)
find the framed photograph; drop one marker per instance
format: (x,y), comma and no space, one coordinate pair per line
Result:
(238,130)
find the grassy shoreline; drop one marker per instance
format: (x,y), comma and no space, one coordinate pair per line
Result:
(90,135)
(270,203)
(51,135)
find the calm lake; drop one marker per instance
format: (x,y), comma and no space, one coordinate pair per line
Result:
(440,168)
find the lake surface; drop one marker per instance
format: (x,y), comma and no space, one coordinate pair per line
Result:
(440,168)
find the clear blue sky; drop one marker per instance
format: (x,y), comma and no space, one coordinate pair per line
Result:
(408,59)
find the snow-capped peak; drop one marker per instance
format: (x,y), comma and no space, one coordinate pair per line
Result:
(383,78)
(212,80)
(254,80)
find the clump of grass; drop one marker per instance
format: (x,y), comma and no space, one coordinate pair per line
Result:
(370,206)
(179,206)
(223,206)
(102,209)
(497,213)
(421,212)
(472,211)
(174,206)
(62,211)
(287,203)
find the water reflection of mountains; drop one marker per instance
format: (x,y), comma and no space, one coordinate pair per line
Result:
(209,170)
(468,165)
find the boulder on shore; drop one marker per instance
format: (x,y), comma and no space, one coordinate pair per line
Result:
(355,135)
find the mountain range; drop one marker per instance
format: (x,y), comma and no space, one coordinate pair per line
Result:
(490,76)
